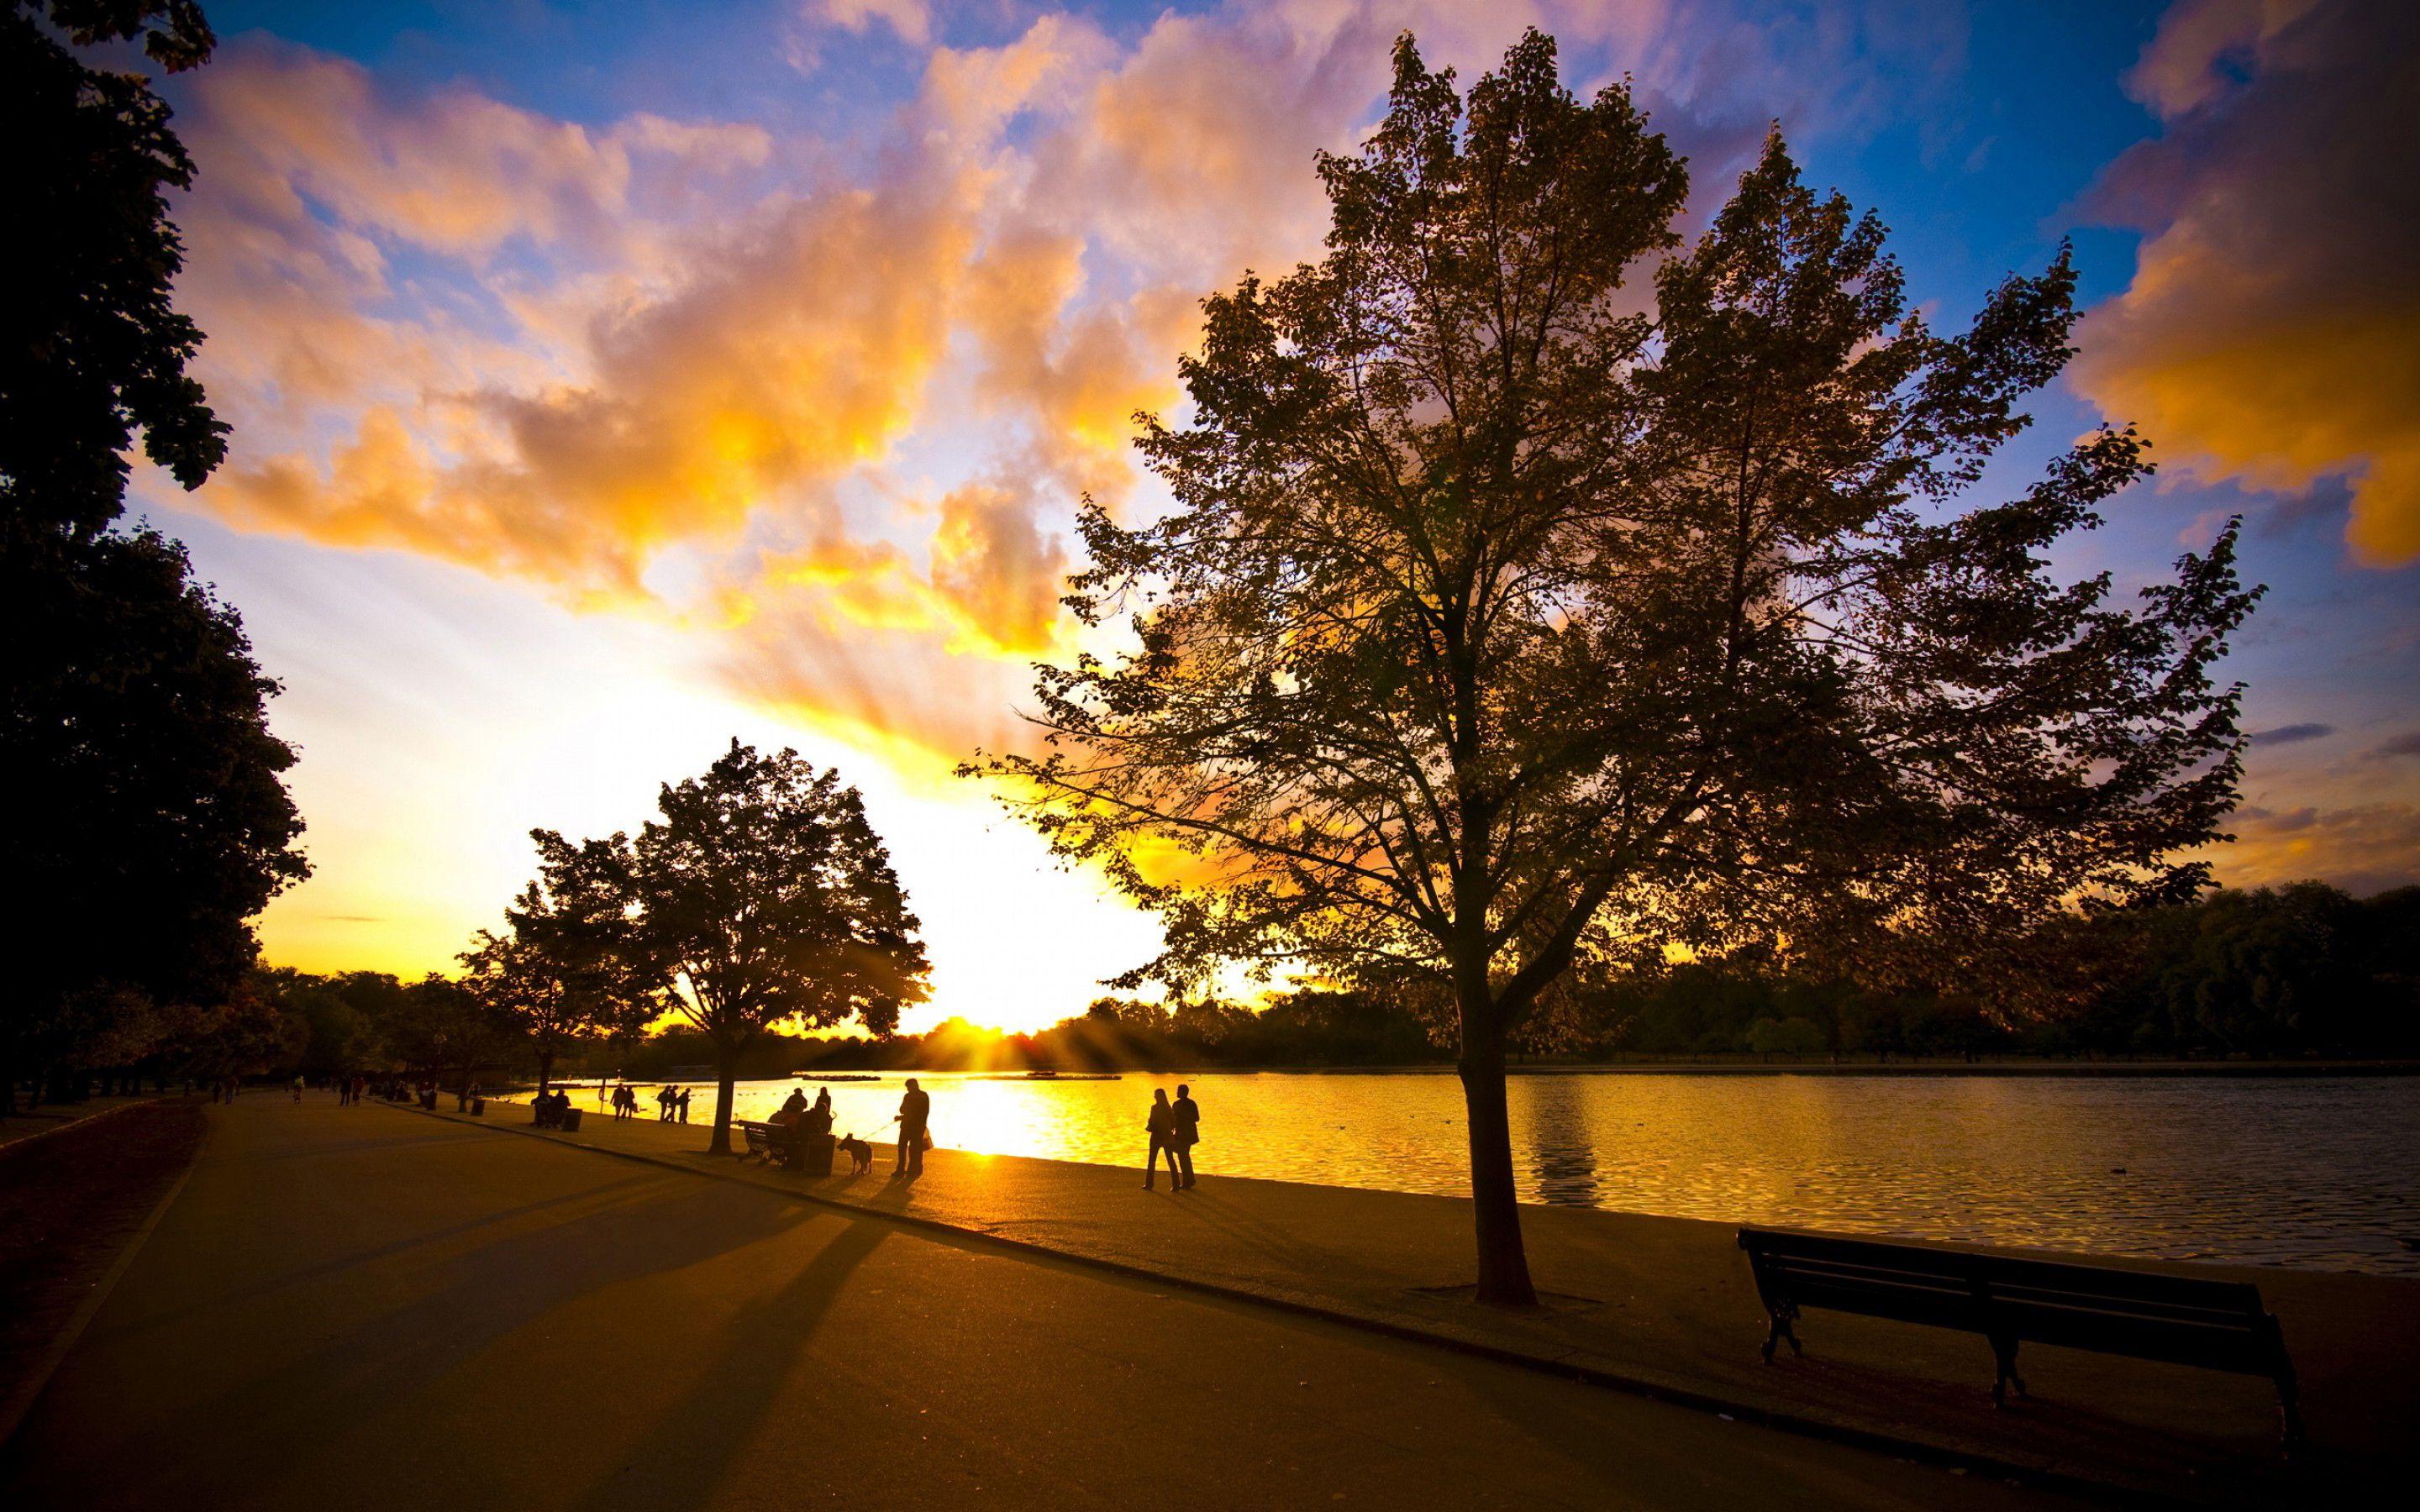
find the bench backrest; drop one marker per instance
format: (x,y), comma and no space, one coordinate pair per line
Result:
(2186,1319)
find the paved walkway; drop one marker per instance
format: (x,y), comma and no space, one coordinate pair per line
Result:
(357,1308)
(1668,1304)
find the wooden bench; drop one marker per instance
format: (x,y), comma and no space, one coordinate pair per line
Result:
(2219,1325)
(768,1142)
(777,1145)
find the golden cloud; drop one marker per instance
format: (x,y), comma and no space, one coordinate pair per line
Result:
(2271,333)
(620,343)
(2361,847)
(768,361)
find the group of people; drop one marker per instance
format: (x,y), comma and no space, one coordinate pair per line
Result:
(809,1117)
(914,1118)
(1175,1127)
(549,1107)
(672,1103)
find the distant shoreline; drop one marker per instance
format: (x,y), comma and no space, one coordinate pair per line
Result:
(2122,1070)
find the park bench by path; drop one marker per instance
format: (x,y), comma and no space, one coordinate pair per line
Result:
(2219,1325)
(778,1144)
(765,1141)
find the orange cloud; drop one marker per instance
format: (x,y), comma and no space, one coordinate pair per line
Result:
(853,409)
(2271,333)
(911,19)
(788,344)
(2361,847)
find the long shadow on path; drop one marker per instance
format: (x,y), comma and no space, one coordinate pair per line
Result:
(680,1464)
(265,1427)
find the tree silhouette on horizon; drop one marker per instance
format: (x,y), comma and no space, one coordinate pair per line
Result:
(762,896)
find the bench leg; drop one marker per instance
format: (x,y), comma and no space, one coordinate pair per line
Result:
(1781,1329)
(2004,1353)
(2289,1410)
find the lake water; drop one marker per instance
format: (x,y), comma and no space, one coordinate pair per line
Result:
(2319,1172)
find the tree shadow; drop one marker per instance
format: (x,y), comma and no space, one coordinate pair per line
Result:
(682,1461)
(285,1279)
(493,1291)
(1203,1206)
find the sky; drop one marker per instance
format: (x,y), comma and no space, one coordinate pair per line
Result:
(609,381)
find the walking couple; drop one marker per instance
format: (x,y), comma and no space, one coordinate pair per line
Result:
(1175,1128)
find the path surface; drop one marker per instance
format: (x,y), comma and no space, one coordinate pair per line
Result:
(1669,1302)
(70,1202)
(361,1308)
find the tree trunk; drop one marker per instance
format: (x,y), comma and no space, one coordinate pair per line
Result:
(1503,1262)
(719,1144)
(544,1068)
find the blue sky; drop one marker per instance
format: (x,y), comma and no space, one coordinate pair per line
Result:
(611,380)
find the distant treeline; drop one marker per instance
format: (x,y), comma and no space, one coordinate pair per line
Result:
(2300,970)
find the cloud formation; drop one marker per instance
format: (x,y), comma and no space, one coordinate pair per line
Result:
(833,403)
(2287,734)
(2361,847)
(2272,332)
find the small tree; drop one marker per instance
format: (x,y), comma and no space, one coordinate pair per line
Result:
(567,970)
(1502,620)
(762,896)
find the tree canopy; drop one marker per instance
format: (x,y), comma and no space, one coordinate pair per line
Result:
(92,349)
(566,971)
(1511,613)
(151,816)
(763,895)
(153,819)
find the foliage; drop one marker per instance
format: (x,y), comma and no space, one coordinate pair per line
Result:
(1502,621)
(567,970)
(763,895)
(155,819)
(91,348)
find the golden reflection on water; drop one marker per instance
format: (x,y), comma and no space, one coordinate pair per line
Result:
(2317,1172)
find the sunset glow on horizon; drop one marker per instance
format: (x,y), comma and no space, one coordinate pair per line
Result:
(607,383)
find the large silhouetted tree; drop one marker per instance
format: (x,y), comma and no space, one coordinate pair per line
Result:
(763,896)
(149,819)
(1506,616)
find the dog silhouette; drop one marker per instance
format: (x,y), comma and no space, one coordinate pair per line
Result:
(859,1153)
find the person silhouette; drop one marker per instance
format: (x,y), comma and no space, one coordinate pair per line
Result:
(683,1100)
(915,1108)
(1161,1123)
(819,1117)
(1184,1135)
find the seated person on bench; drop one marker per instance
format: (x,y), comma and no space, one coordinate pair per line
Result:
(786,1120)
